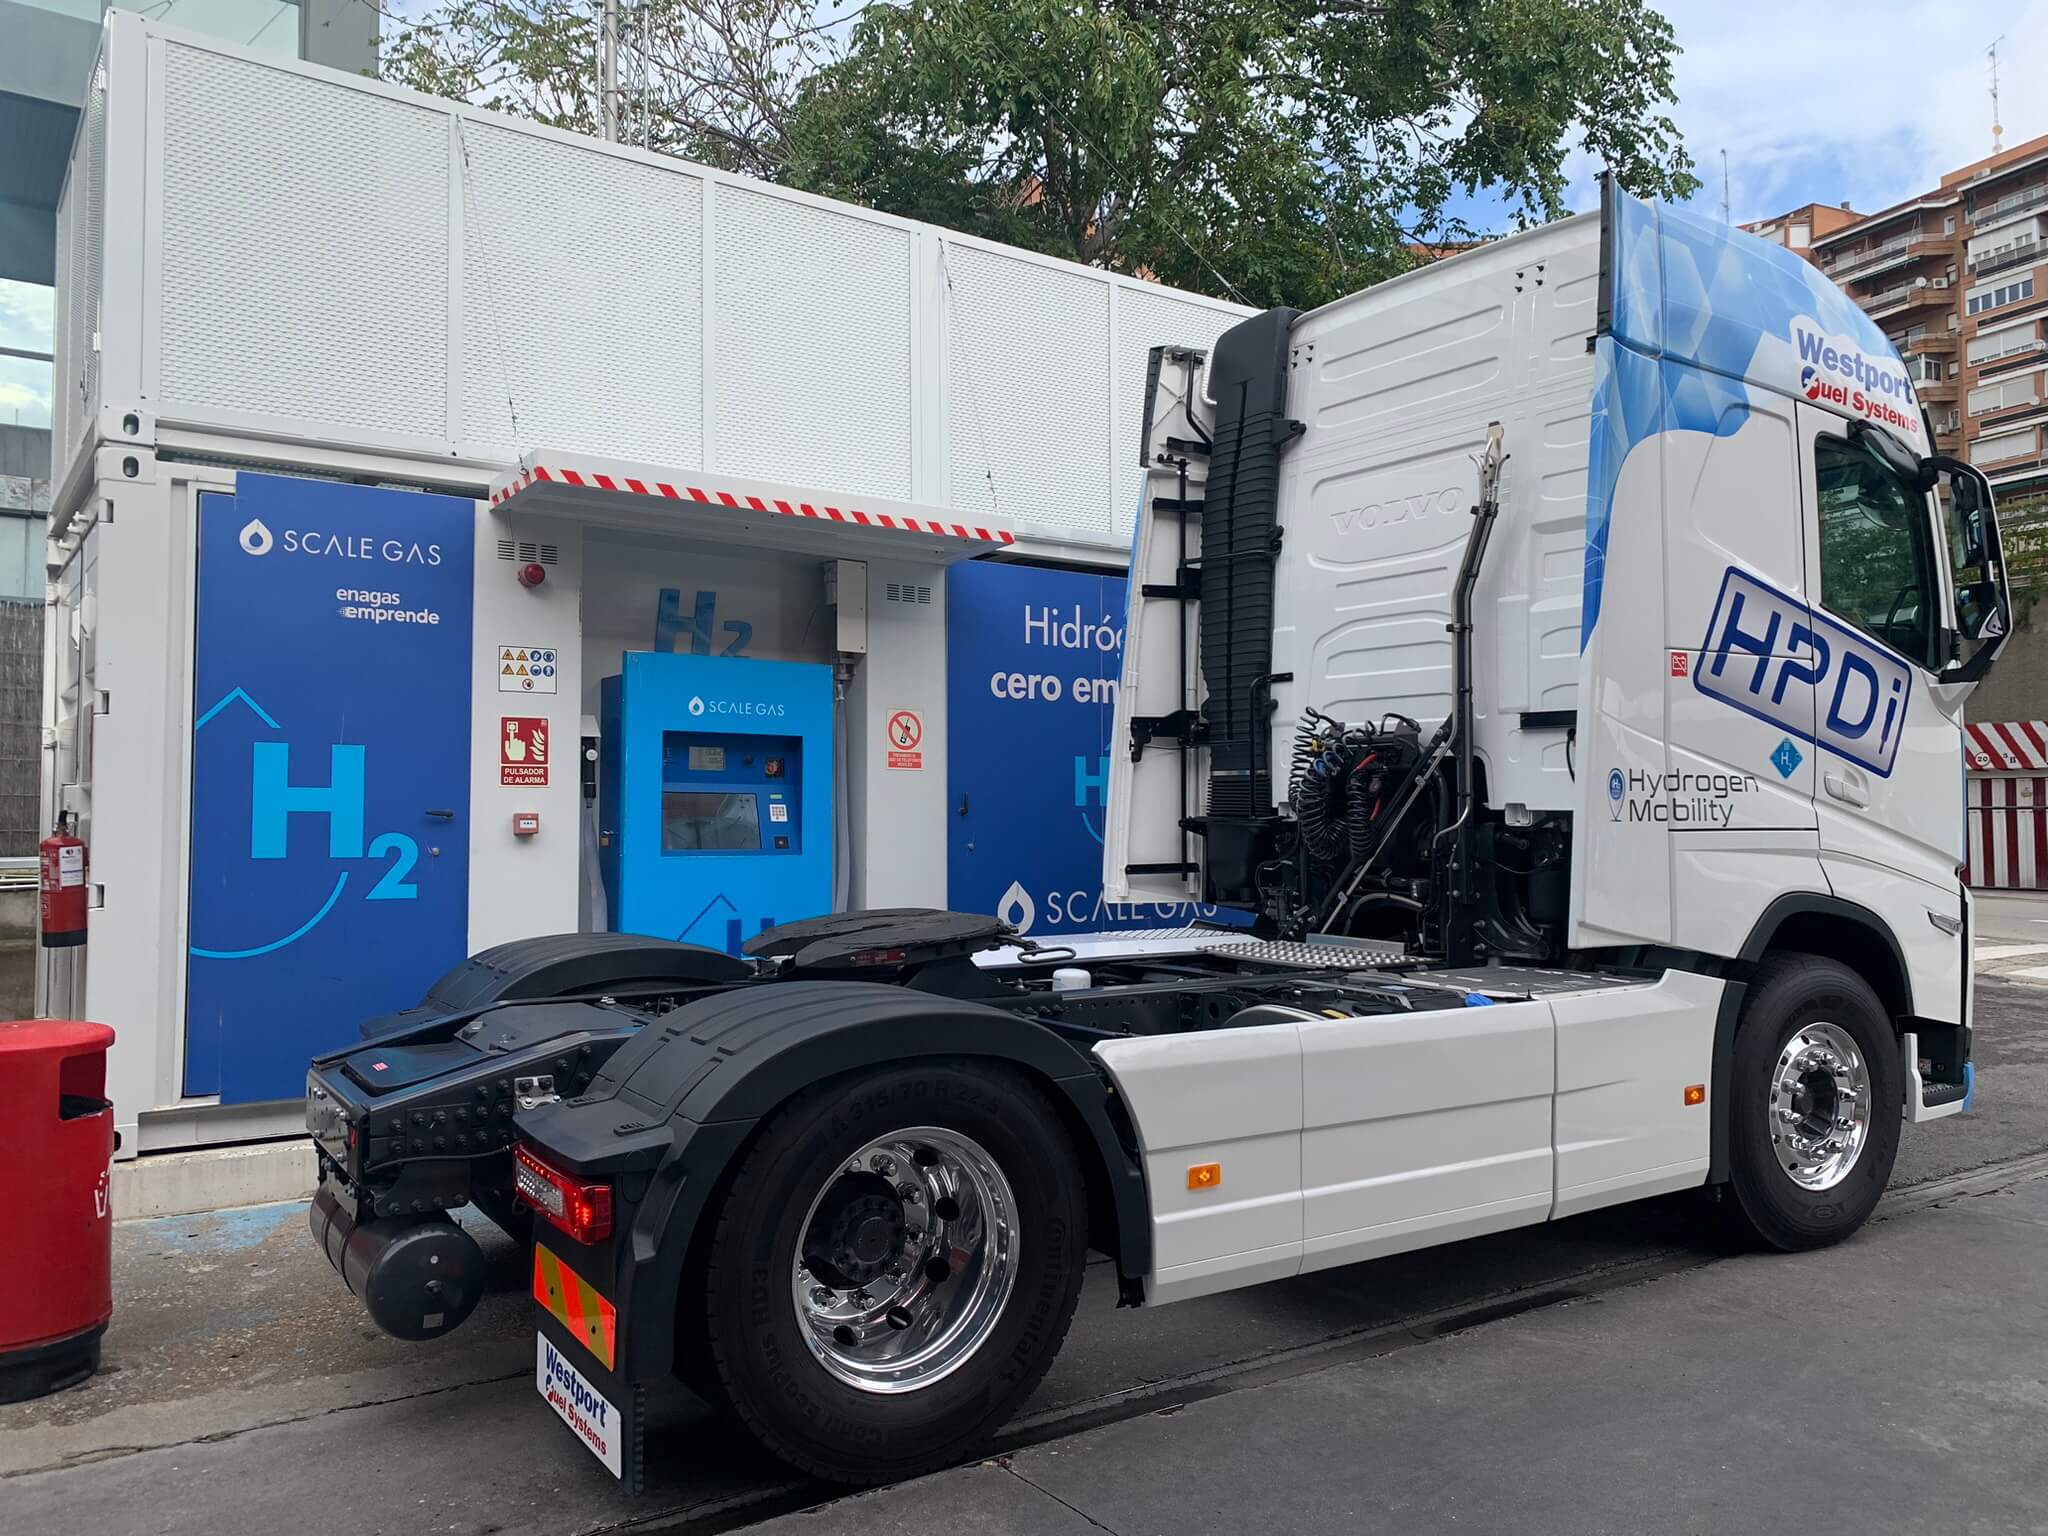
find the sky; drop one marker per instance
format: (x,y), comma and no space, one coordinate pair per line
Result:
(1822,103)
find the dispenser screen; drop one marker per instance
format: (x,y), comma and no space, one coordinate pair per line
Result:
(692,820)
(728,793)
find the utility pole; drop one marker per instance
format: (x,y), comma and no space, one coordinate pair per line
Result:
(608,66)
(1997,127)
(1724,188)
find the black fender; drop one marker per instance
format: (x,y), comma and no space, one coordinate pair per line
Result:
(674,1106)
(1793,905)
(559,964)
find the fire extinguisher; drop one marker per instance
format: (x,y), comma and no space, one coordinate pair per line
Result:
(63,885)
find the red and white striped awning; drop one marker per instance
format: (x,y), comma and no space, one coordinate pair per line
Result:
(2007,746)
(731,508)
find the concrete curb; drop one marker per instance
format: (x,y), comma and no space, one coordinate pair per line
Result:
(185,1183)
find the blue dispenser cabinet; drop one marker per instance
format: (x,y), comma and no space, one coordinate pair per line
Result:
(715,796)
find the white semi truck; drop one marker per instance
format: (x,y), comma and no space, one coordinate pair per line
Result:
(1559,652)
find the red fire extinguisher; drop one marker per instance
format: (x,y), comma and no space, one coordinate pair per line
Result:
(63,885)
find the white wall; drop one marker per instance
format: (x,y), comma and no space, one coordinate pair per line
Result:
(523,886)
(270,249)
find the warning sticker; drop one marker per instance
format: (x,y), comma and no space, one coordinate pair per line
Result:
(906,733)
(526,669)
(523,751)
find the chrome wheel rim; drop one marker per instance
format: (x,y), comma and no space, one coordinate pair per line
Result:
(1820,1106)
(905,1260)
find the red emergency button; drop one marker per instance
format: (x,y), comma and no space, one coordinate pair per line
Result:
(525,823)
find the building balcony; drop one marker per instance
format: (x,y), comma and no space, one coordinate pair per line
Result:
(1932,343)
(1900,252)
(2025,254)
(1937,389)
(2011,203)
(1899,301)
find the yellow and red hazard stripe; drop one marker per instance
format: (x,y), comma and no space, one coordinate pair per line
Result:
(574,1303)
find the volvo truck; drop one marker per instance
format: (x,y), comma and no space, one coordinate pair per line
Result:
(1559,653)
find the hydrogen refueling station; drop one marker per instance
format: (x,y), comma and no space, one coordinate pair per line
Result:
(464,531)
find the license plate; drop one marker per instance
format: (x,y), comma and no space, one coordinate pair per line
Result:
(579,1405)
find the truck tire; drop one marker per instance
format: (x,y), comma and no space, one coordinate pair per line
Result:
(1814,1103)
(894,1266)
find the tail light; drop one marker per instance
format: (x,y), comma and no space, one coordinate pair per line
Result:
(584,1211)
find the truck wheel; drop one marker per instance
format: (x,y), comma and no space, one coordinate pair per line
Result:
(1814,1103)
(894,1267)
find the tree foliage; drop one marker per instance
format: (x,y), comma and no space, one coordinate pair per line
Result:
(1273,150)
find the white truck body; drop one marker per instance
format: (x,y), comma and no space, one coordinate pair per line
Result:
(1675,663)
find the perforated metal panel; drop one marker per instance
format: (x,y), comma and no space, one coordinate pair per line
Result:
(305,252)
(1145,320)
(581,300)
(813,345)
(81,240)
(1027,392)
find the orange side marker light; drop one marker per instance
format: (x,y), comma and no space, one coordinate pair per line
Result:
(1696,1093)
(1205,1175)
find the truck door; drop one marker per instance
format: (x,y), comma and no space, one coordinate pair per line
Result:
(1889,793)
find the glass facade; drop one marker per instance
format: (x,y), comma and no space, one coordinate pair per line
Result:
(27,313)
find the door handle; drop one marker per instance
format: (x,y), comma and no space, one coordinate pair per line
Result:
(441,815)
(1849,790)
(963,805)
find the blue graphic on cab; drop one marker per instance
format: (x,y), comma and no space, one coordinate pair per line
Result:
(330,771)
(1764,648)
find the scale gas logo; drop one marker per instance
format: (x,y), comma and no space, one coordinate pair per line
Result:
(1764,648)
(257,539)
(699,705)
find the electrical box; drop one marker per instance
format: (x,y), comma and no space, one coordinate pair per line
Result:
(846,594)
(715,796)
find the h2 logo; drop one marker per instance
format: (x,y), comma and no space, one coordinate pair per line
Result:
(1761,642)
(273,799)
(670,626)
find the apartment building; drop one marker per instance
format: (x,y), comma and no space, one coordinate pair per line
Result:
(1956,277)
(1797,230)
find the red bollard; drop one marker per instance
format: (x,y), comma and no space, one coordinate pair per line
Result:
(56,1137)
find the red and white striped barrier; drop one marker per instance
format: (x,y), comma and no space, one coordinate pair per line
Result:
(740,497)
(2008,746)
(2008,832)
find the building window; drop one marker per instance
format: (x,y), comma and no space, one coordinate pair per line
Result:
(2005,293)
(2008,341)
(2003,448)
(1948,225)
(1876,549)
(1800,237)
(2023,390)
(27,313)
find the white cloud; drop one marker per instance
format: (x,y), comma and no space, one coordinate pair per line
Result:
(1819,103)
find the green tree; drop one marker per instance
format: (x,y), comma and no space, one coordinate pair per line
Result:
(1281,150)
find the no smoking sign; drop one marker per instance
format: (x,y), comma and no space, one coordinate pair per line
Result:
(906,738)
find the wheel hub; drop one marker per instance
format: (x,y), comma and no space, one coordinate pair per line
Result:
(908,1256)
(855,1232)
(1820,1106)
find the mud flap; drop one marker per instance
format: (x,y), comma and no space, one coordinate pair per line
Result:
(580,1365)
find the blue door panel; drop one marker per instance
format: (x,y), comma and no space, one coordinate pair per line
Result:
(330,771)
(1032,662)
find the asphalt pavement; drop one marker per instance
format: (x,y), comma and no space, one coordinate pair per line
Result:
(1618,1360)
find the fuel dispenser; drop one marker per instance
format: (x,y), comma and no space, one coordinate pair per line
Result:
(715,796)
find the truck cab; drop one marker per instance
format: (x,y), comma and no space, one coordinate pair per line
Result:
(1708,677)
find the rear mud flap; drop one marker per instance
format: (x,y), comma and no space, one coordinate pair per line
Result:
(605,1410)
